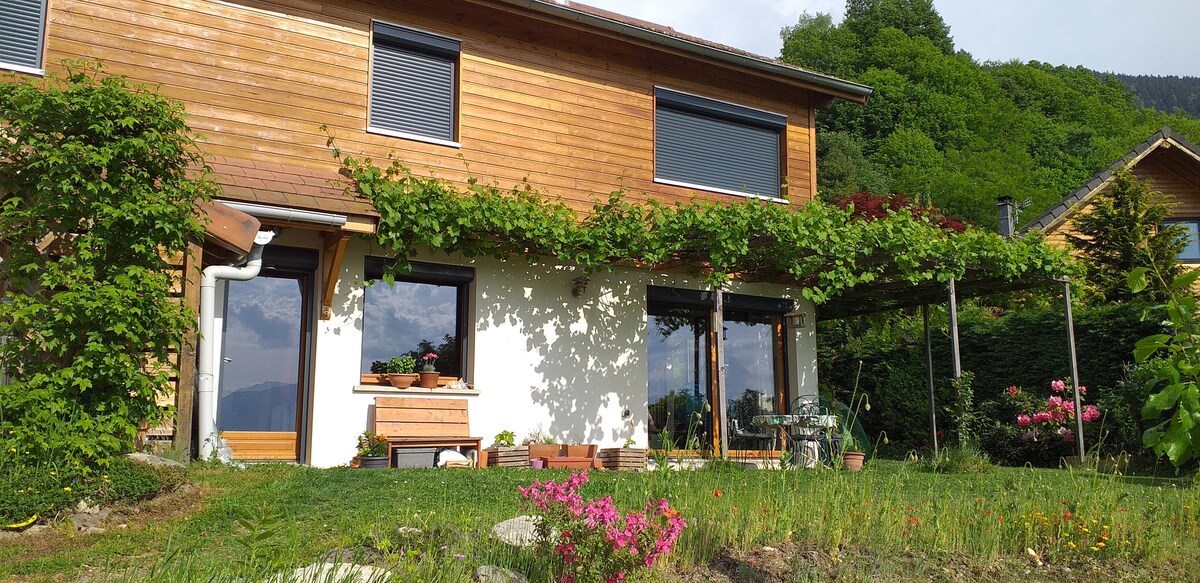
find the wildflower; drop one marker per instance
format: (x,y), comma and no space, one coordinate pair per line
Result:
(67,489)
(459,556)
(717,493)
(1070,544)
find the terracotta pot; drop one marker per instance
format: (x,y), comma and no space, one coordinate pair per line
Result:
(429,380)
(402,381)
(538,450)
(853,460)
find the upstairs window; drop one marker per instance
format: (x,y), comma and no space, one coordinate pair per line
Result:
(713,145)
(424,311)
(1191,251)
(23,23)
(414,79)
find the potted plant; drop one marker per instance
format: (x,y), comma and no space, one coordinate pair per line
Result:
(506,452)
(853,450)
(372,451)
(402,371)
(429,373)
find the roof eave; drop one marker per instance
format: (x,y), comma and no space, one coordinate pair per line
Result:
(841,88)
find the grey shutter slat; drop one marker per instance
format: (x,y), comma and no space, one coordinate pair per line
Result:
(707,151)
(21,39)
(412,92)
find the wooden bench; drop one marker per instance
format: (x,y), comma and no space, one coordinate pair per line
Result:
(418,422)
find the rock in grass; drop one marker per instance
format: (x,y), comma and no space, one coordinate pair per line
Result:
(518,532)
(154,460)
(333,572)
(490,574)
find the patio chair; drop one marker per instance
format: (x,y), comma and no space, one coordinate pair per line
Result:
(812,439)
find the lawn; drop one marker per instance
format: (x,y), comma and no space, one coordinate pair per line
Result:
(890,522)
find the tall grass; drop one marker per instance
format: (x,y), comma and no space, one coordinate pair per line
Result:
(1000,522)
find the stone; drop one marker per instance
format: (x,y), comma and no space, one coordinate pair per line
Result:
(333,573)
(154,460)
(518,532)
(490,574)
(406,530)
(91,530)
(86,520)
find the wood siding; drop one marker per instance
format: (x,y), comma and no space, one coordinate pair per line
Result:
(566,107)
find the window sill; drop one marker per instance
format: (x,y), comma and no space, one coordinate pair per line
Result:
(389,390)
(413,137)
(22,69)
(774,199)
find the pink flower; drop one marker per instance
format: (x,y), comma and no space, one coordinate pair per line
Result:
(1057,386)
(1041,417)
(1013,390)
(1082,390)
(1023,420)
(1090,413)
(1054,402)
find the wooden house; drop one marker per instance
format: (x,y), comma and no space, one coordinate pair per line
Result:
(576,100)
(1167,162)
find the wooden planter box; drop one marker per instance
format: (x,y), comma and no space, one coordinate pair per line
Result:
(623,458)
(508,457)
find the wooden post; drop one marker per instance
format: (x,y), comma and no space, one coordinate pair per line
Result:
(185,389)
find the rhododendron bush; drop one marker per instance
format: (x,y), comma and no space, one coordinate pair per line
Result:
(1053,418)
(590,539)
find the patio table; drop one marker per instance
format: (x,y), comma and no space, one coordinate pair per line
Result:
(808,429)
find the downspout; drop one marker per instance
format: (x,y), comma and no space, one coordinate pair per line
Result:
(207,426)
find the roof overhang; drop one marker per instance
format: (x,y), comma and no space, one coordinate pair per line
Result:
(818,82)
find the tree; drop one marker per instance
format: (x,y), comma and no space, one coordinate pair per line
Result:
(1123,229)
(815,43)
(96,197)
(916,18)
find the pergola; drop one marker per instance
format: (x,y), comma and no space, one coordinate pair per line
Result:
(890,296)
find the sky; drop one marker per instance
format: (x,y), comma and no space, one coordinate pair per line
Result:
(1150,37)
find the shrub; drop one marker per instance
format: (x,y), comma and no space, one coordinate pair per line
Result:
(965,458)
(100,168)
(45,490)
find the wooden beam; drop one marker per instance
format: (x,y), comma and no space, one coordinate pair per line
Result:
(185,388)
(335,249)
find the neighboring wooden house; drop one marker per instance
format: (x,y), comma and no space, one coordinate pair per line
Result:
(579,101)
(1165,161)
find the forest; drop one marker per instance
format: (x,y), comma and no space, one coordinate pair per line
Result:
(947,130)
(1169,93)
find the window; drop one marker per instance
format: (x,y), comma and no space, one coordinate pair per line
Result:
(1191,251)
(423,312)
(713,145)
(681,370)
(413,84)
(23,23)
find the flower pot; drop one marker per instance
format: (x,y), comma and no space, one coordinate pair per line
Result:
(537,463)
(429,380)
(370,461)
(853,460)
(402,381)
(540,450)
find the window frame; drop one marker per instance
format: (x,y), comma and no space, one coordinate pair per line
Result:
(39,67)
(460,277)
(721,110)
(427,43)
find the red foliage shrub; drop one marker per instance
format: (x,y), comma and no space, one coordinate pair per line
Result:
(869,207)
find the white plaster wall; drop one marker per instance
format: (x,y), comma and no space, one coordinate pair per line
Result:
(541,359)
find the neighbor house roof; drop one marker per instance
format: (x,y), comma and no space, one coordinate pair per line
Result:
(1061,211)
(669,37)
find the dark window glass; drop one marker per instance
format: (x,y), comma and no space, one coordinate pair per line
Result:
(678,365)
(423,313)
(1191,251)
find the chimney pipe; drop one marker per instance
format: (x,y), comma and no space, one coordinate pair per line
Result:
(1004,205)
